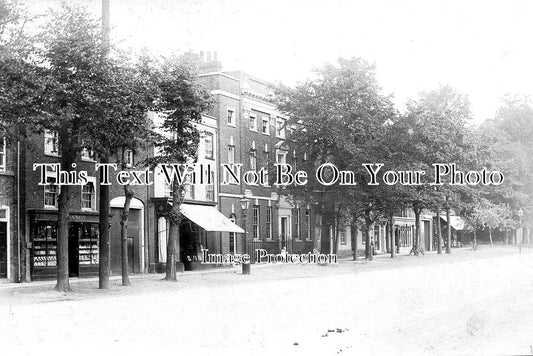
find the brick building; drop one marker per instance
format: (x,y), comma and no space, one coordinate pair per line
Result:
(253,133)
(202,225)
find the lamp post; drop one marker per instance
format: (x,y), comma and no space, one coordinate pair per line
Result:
(244,207)
(520,212)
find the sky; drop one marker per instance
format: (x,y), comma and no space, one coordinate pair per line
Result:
(481,48)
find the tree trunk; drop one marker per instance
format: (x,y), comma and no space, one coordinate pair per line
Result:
(336,235)
(490,237)
(317,237)
(417,250)
(63,207)
(173,238)
(369,253)
(474,243)
(392,237)
(448,232)
(439,233)
(63,284)
(387,238)
(353,233)
(103,230)
(128,194)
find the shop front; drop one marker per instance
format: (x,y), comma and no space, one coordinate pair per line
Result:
(82,247)
(199,229)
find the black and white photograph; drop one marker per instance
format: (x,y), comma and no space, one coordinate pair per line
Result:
(253,177)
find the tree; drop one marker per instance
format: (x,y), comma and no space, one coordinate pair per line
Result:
(338,116)
(485,214)
(56,93)
(504,144)
(434,130)
(181,100)
(126,95)
(73,88)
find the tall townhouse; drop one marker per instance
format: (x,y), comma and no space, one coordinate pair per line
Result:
(203,226)
(252,133)
(40,206)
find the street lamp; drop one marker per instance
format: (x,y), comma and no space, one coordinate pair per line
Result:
(245,203)
(520,212)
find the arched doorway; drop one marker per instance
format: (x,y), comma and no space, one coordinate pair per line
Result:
(135,234)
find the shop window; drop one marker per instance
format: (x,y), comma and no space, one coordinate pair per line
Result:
(88,195)
(45,245)
(255,221)
(51,143)
(88,249)
(162,239)
(3,154)
(209,145)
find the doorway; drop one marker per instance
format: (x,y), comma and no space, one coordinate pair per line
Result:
(73,250)
(284,232)
(3,249)
(130,254)
(427,237)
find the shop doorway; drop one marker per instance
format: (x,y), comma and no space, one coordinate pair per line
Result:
(3,249)
(73,250)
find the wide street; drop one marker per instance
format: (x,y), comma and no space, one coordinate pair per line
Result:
(466,303)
